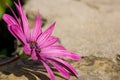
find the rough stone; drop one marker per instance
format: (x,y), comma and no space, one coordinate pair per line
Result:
(89,68)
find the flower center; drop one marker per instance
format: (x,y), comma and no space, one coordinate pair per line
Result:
(34,45)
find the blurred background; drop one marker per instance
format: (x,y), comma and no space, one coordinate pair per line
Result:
(7,41)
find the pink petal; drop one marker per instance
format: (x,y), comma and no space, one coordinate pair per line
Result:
(65,65)
(69,55)
(9,19)
(59,51)
(52,50)
(50,41)
(45,35)
(61,70)
(27,49)
(17,33)
(34,55)
(24,21)
(37,28)
(50,72)
(14,14)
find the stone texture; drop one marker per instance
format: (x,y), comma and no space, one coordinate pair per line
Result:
(94,68)
(88,27)
(89,68)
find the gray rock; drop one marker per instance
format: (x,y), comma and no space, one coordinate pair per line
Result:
(87,27)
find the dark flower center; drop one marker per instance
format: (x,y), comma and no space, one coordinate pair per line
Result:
(34,45)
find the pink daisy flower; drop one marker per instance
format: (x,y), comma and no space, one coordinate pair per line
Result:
(40,45)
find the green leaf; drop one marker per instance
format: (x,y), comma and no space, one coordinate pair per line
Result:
(1,12)
(3,6)
(3,52)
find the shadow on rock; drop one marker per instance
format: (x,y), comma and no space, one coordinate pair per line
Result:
(26,69)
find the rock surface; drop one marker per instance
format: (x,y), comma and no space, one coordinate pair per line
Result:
(88,27)
(89,68)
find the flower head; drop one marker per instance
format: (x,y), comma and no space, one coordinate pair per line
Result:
(40,45)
